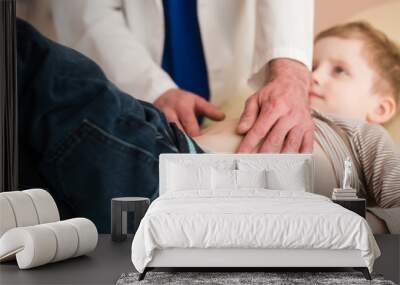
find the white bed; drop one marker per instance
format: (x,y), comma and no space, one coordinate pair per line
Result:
(195,223)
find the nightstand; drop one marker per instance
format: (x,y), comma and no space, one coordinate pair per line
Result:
(119,211)
(357,205)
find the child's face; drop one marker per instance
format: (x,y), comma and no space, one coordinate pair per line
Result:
(342,78)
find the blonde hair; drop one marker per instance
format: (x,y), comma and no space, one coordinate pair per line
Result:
(383,54)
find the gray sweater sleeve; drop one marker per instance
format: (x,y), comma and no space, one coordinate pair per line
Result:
(380,162)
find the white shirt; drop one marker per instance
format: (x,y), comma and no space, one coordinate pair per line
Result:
(126,38)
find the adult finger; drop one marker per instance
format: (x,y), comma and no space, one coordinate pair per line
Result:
(257,148)
(267,118)
(249,115)
(189,122)
(202,107)
(307,144)
(275,138)
(173,118)
(293,140)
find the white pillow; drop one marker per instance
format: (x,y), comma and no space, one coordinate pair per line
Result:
(186,177)
(230,179)
(292,179)
(251,179)
(223,179)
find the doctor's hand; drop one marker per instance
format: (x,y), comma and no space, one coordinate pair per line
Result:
(182,107)
(277,117)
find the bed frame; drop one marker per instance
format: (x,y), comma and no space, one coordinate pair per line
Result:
(260,259)
(248,259)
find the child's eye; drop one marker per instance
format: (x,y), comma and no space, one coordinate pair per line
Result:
(339,70)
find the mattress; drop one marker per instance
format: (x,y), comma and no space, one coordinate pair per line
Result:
(250,219)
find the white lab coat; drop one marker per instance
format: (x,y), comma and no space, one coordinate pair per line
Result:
(240,37)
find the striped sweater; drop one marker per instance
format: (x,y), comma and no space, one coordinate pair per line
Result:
(376,160)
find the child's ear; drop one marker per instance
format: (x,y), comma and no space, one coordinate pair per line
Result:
(383,110)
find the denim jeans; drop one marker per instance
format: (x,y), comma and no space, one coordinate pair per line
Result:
(87,140)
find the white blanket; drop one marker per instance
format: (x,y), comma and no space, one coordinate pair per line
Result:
(253,218)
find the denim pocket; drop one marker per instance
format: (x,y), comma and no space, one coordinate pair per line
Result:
(92,166)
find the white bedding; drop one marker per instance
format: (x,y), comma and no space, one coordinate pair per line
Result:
(251,218)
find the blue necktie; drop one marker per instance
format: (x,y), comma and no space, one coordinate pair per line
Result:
(183,56)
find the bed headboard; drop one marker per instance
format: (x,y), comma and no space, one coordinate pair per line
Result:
(232,160)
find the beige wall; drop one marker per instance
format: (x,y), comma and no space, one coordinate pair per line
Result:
(38,13)
(331,12)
